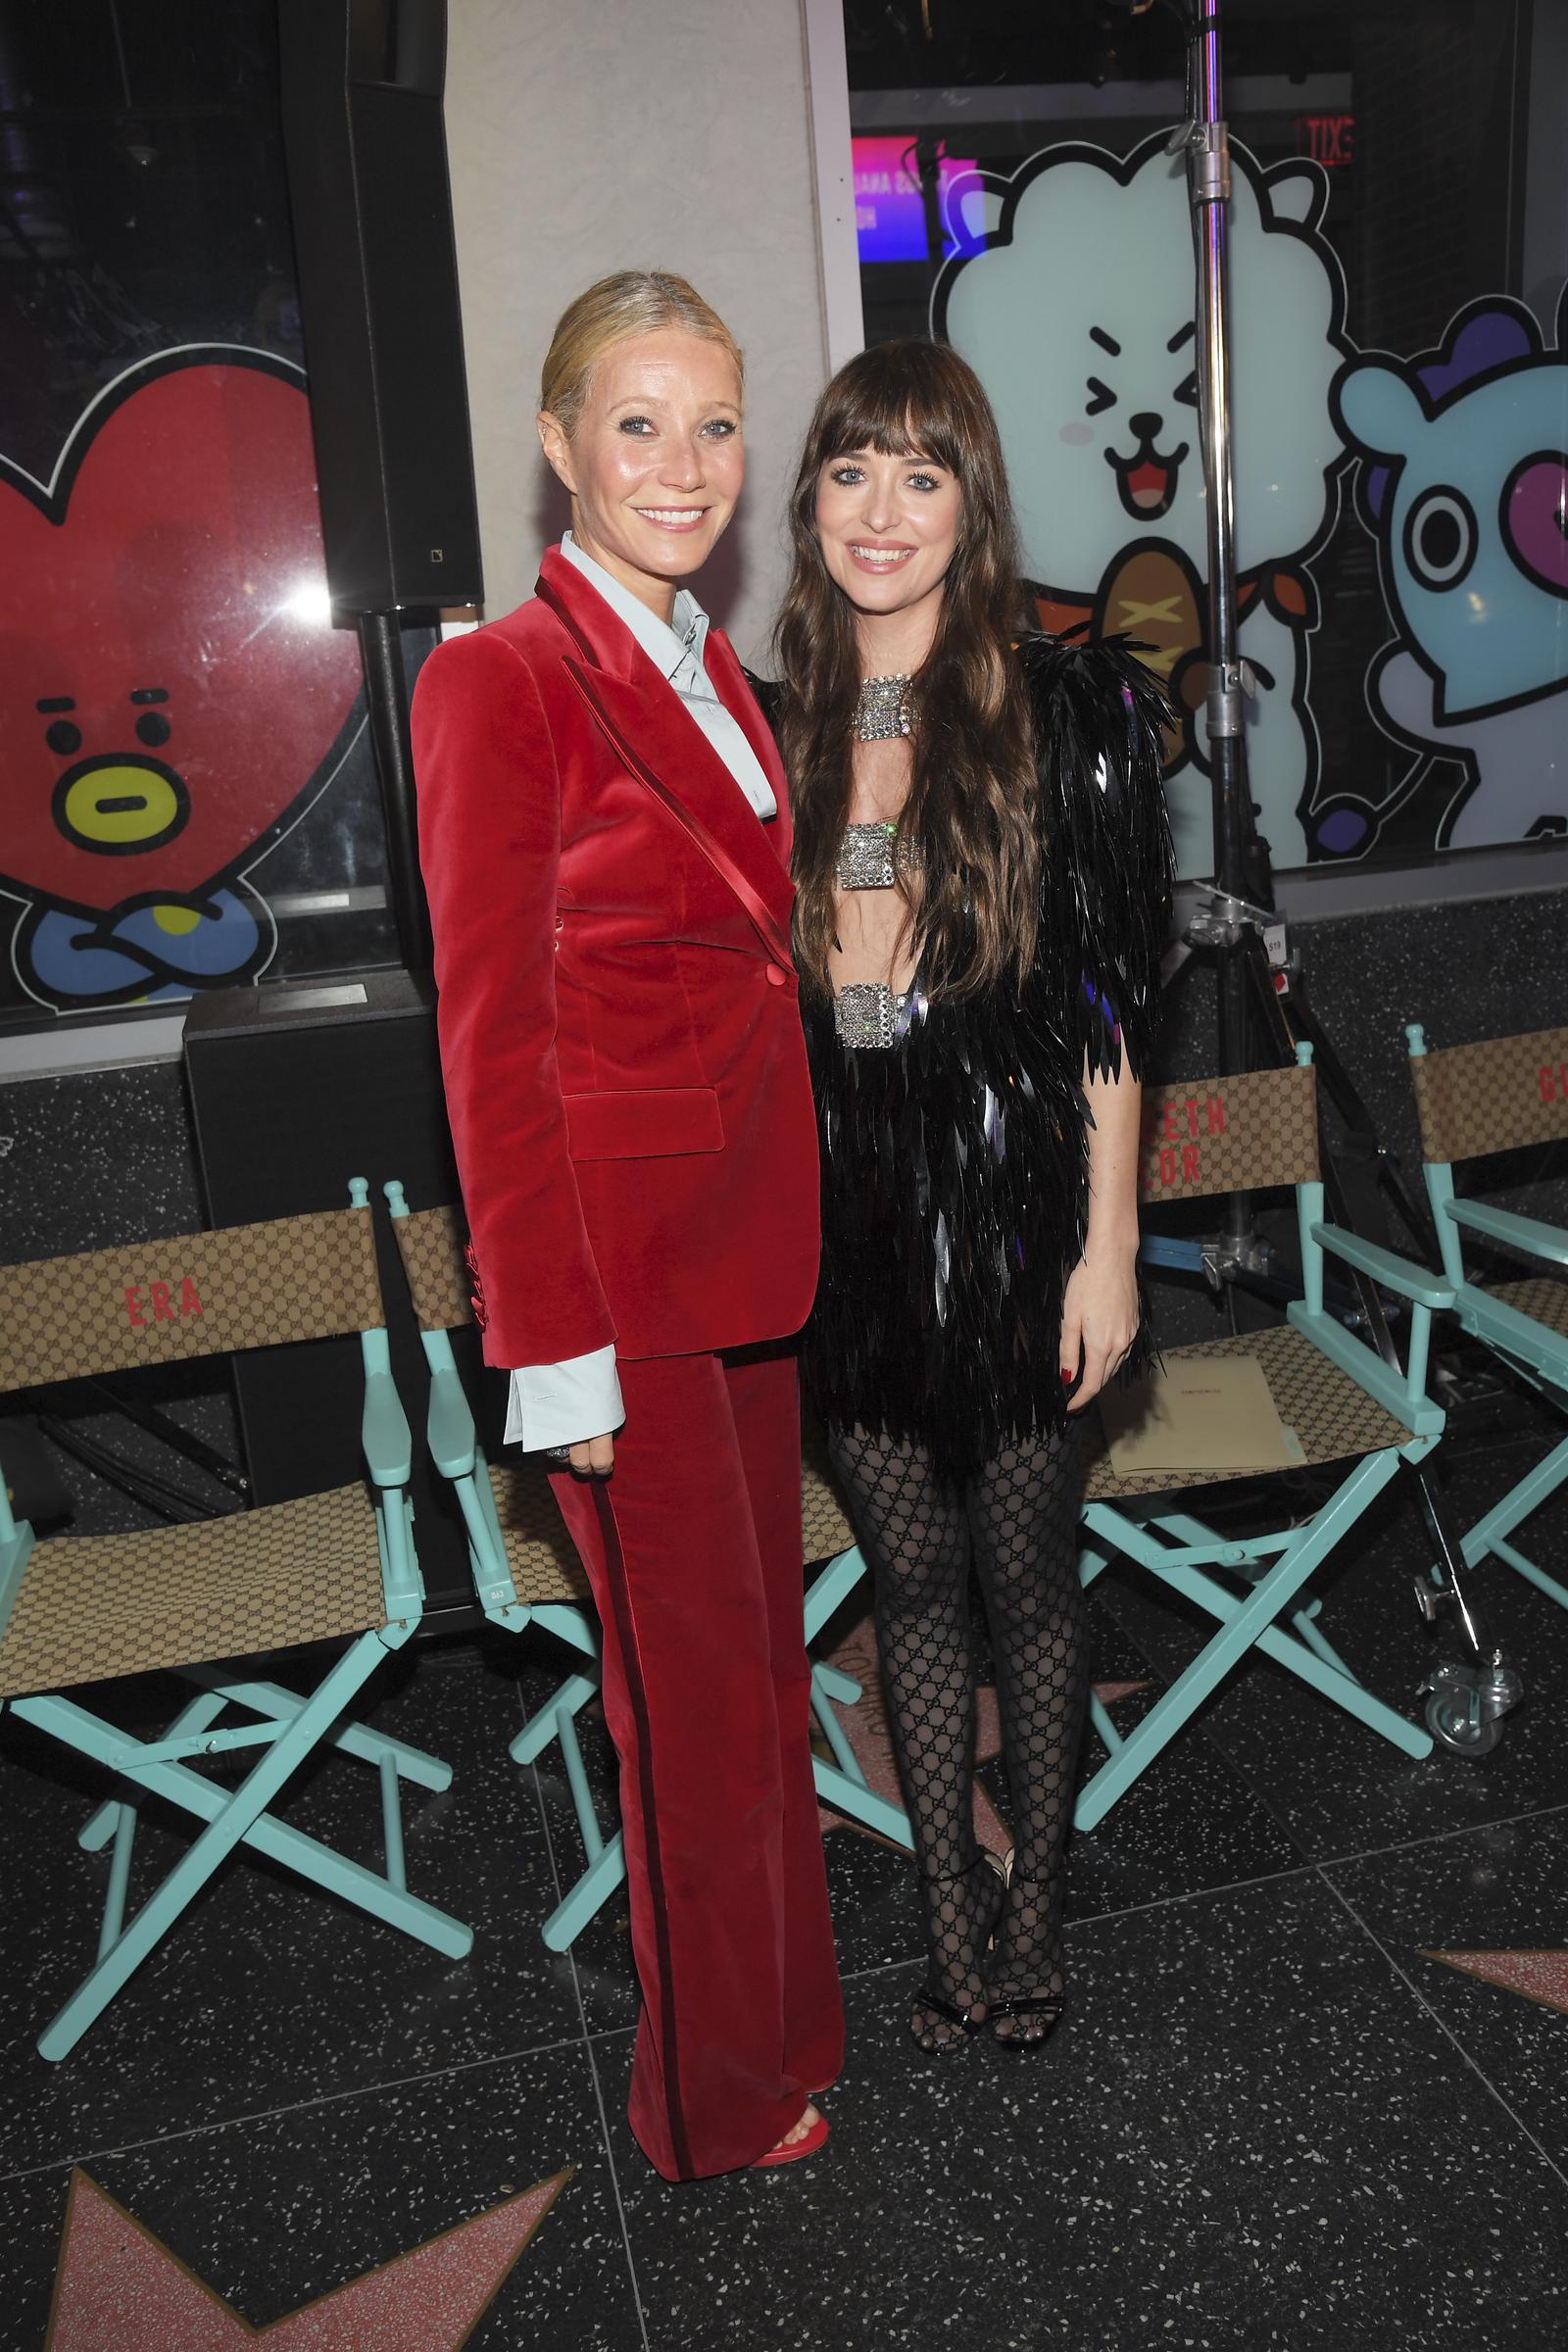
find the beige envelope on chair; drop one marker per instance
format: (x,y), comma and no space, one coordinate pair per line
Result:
(1198,1413)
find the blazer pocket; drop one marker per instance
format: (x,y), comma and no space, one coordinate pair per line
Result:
(644,1122)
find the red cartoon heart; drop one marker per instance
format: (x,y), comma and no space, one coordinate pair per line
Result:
(169,678)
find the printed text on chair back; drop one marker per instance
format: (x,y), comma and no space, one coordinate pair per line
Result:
(1244,1133)
(191,1294)
(1493,1097)
(430,1244)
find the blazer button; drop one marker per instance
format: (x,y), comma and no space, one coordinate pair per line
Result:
(776,975)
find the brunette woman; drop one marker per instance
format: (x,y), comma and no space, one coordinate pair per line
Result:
(982,878)
(604,833)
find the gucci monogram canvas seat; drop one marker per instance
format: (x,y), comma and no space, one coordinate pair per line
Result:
(1502,1095)
(526,1571)
(1343,1408)
(336,1569)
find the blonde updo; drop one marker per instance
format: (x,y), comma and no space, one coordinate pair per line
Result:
(632,302)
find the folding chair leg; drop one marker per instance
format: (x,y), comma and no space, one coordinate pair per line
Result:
(203,1710)
(232,1817)
(1252,1617)
(1109,1738)
(350,1739)
(1488,1534)
(842,1784)
(590,1893)
(544,1724)
(830,1587)
(111,1924)
(1312,1659)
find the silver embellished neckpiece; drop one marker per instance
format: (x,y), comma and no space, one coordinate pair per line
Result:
(882,709)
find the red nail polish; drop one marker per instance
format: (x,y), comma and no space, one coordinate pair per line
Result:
(1066,1377)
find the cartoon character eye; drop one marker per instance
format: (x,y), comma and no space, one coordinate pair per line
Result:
(1187,389)
(152,729)
(1103,397)
(1534,518)
(1440,538)
(62,738)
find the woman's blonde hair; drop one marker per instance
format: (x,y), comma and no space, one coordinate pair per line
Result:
(631,302)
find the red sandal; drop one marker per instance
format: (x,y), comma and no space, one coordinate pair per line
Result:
(806,2145)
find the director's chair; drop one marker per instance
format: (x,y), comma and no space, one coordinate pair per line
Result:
(337,1568)
(1333,1393)
(526,1571)
(1502,1096)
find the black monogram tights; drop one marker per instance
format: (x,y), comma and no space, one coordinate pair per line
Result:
(1017,1525)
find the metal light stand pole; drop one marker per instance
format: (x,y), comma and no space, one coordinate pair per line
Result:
(1237,920)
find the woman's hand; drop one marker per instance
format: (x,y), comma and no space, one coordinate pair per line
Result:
(1098,1317)
(593,1457)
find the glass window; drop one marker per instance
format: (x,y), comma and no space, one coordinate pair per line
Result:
(1399,255)
(188,798)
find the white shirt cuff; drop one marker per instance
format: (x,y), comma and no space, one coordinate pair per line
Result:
(563,1405)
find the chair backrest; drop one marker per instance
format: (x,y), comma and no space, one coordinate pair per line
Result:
(192,1294)
(432,1246)
(1493,1097)
(1244,1133)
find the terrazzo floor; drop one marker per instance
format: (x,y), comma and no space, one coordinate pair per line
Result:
(1310,2089)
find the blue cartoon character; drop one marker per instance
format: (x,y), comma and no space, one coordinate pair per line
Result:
(1465,485)
(1072,295)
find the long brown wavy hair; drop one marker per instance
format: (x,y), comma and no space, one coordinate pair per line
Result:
(971,805)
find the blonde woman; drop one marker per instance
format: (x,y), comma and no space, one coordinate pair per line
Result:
(604,833)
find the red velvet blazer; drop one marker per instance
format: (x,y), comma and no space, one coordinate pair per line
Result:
(625,1075)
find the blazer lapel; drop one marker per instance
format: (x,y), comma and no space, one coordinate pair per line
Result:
(659,743)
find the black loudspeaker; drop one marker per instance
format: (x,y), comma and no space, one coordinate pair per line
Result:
(294,1089)
(366,149)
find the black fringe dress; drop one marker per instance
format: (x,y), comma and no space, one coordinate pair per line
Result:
(954,1162)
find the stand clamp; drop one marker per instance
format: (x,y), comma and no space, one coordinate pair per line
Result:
(1207,149)
(1230,684)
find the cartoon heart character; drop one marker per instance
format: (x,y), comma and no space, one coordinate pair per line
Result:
(170,685)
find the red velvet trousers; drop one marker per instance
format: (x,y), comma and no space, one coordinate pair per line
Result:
(693,1548)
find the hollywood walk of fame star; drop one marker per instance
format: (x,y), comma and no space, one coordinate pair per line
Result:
(866,1727)
(1541,1977)
(118,2288)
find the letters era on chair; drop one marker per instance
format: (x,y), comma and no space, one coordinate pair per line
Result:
(1501,1096)
(1343,1403)
(525,1571)
(334,1568)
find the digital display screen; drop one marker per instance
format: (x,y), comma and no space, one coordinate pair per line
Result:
(889,208)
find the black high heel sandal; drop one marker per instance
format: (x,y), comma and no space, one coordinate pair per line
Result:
(1025,2008)
(929,1997)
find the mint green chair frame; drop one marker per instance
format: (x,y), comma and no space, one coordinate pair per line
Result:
(1533,1108)
(454,1445)
(284,1725)
(1272,1568)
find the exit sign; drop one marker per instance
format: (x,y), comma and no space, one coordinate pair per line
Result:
(1329,139)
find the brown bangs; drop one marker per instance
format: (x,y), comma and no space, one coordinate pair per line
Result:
(972,794)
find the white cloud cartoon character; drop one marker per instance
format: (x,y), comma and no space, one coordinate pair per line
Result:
(1464,484)
(1072,295)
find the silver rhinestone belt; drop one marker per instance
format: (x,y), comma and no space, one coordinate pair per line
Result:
(869,856)
(869,1014)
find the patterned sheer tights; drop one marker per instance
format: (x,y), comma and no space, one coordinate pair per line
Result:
(1015,1524)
